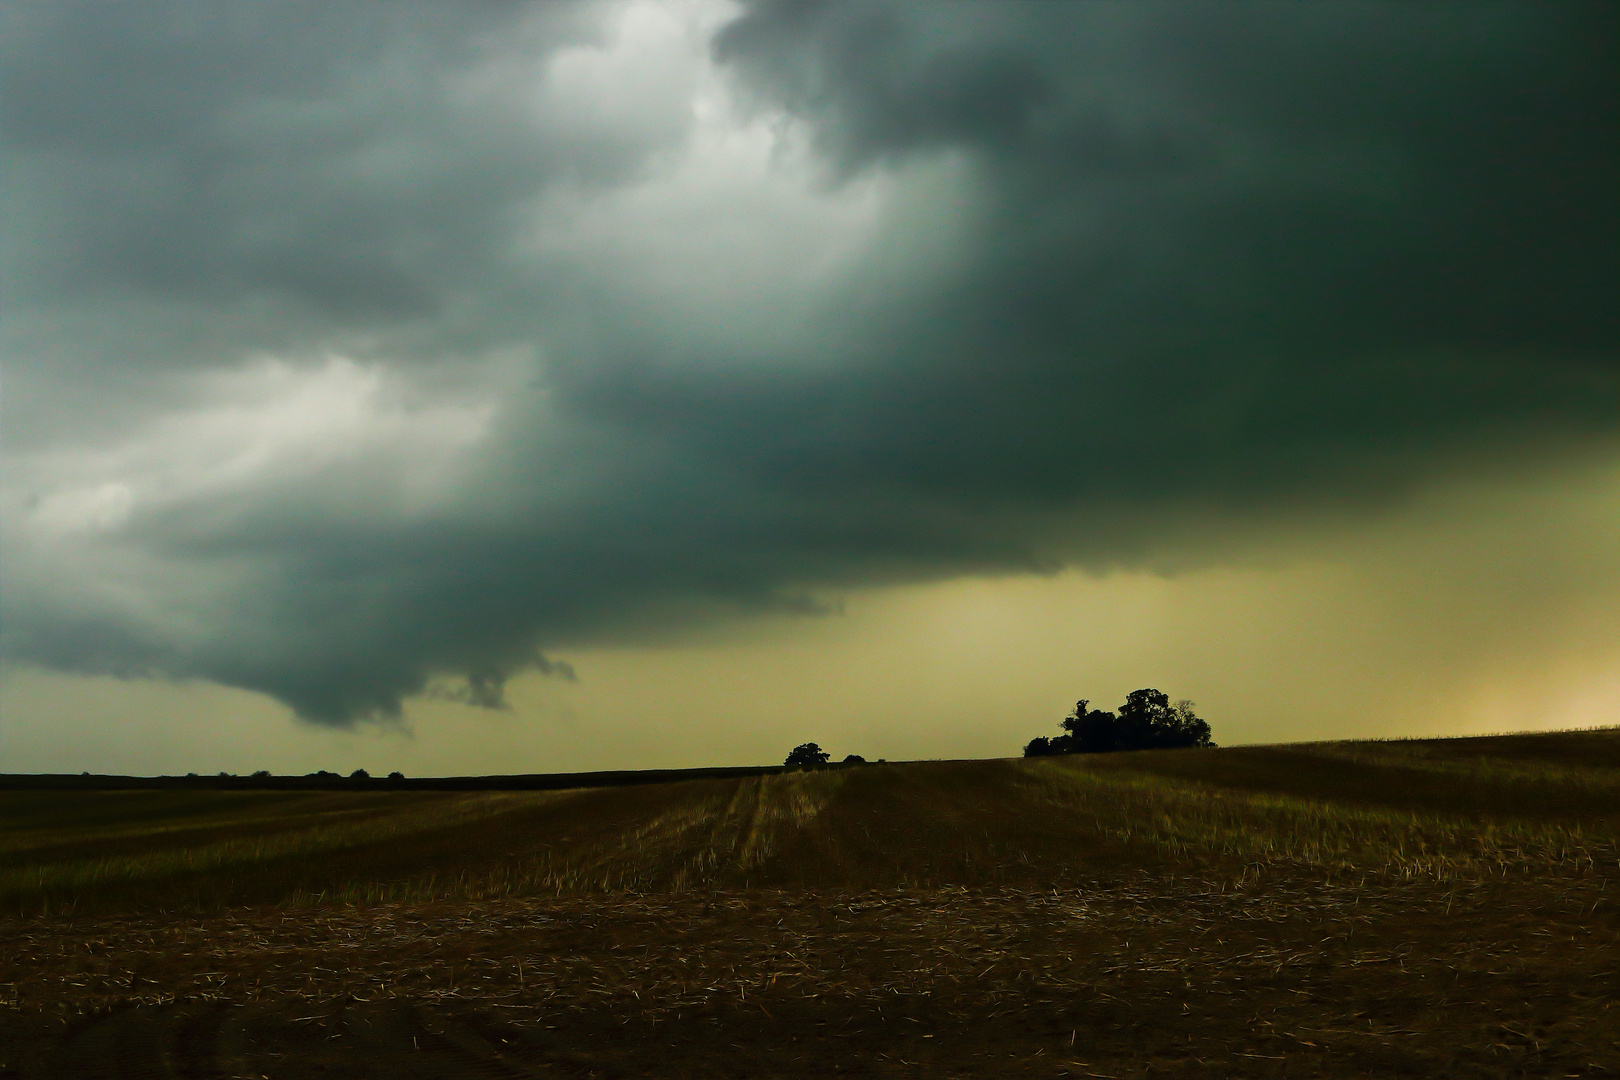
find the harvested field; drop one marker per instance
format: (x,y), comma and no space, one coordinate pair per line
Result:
(1374,909)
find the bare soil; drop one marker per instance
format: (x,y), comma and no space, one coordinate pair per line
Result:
(1126,978)
(950,920)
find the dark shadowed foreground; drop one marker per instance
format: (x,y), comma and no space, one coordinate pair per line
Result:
(1369,909)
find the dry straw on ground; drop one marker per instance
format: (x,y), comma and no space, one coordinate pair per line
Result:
(1430,911)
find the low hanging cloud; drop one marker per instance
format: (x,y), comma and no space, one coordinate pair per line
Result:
(351,348)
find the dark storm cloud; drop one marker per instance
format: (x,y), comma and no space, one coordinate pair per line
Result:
(1228,245)
(1207,262)
(329,167)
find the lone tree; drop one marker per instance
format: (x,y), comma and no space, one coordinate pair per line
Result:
(1147,721)
(807,754)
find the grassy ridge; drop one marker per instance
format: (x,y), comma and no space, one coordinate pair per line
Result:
(1458,809)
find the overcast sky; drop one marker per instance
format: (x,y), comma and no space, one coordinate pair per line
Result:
(514,386)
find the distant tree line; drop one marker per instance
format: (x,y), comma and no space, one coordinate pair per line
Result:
(1147,721)
(322,774)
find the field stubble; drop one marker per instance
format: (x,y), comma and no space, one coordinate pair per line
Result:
(1418,908)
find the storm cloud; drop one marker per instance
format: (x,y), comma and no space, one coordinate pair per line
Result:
(351,349)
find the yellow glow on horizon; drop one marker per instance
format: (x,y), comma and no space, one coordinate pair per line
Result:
(1485,611)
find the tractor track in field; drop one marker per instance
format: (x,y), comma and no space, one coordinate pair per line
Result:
(1349,910)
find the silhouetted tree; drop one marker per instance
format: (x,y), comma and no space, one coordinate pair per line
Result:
(1147,721)
(261,774)
(807,754)
(854,759)
(396,776)
(1140,719)
(1090,731)
(1188,728)
(359,774)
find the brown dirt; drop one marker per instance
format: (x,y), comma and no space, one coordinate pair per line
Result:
(1349,910)
(1128,977)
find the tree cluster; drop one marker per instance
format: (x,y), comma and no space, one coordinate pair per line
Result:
(1147,721)
(810,756)
(807,754)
